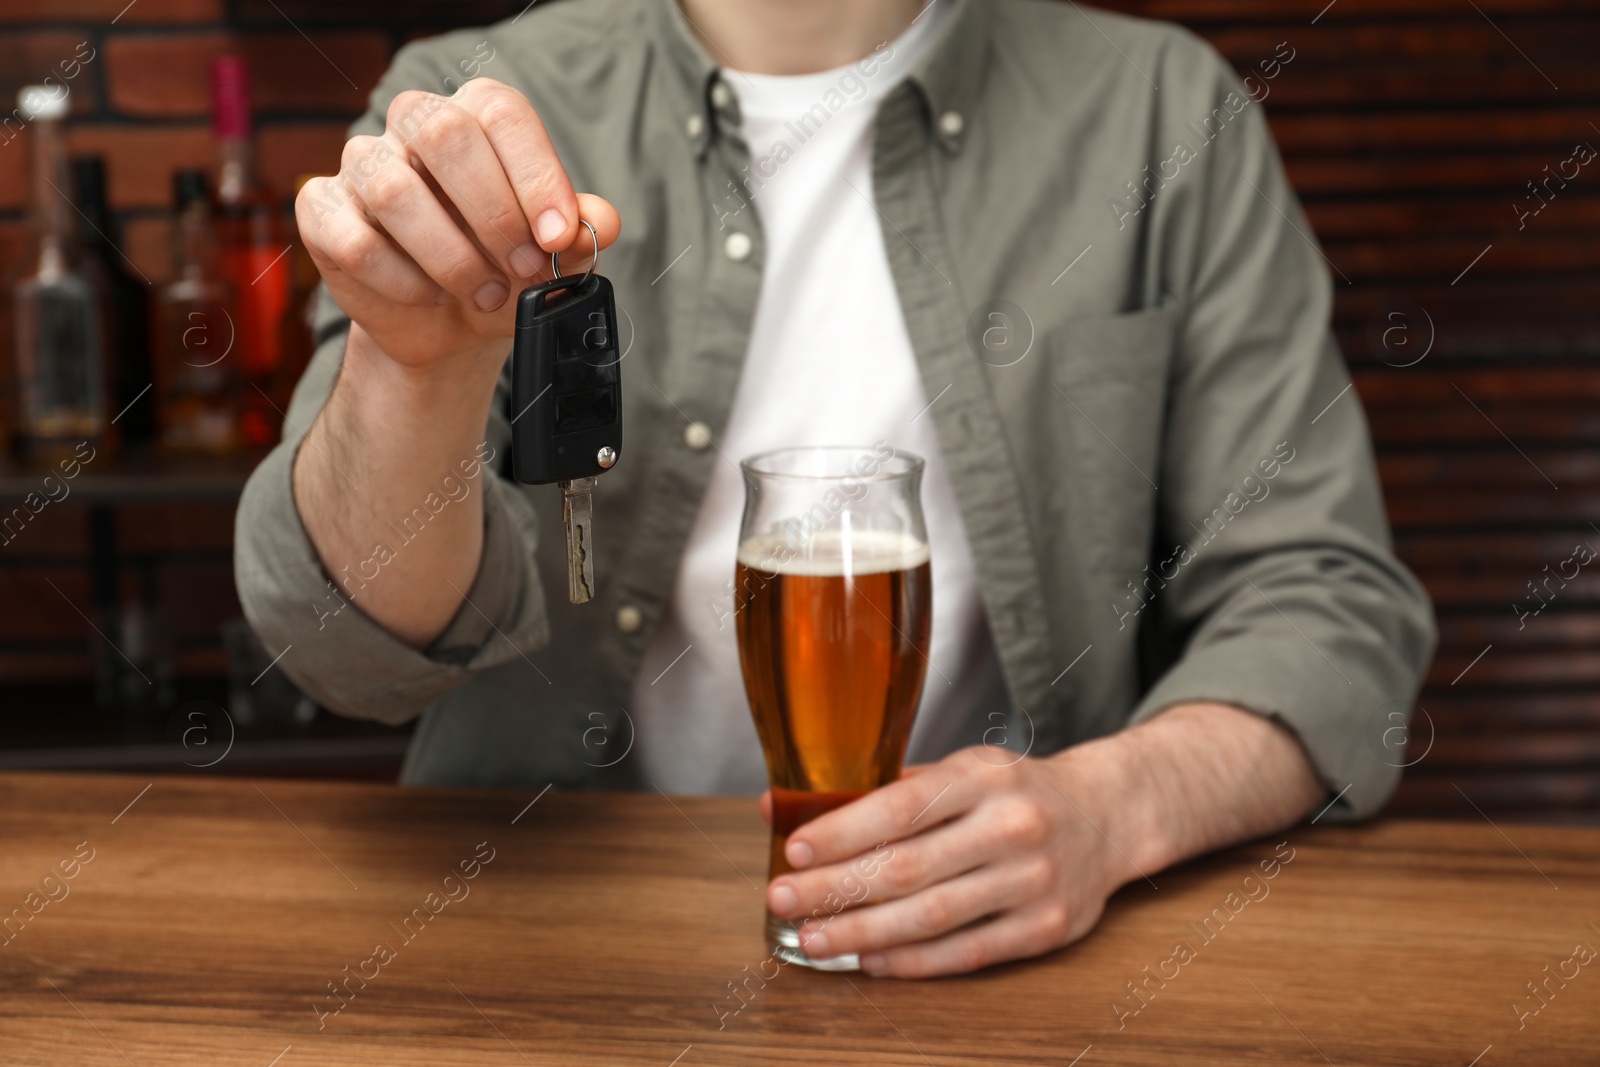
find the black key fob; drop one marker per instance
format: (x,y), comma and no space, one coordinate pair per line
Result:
(566,401)
(566,381)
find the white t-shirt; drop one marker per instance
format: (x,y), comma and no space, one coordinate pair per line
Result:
(829,363)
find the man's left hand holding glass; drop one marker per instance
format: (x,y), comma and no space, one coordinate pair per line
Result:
(995,860)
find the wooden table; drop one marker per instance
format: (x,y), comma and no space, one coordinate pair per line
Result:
(214,914)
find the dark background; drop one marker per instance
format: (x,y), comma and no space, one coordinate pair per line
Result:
(1411,128)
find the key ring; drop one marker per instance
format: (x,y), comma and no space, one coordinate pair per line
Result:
(555,261)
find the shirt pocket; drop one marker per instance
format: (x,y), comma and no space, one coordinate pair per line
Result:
(1109,383)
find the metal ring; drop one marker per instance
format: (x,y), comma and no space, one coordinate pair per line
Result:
(555,260)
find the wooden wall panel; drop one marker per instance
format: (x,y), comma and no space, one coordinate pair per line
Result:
(1410,129)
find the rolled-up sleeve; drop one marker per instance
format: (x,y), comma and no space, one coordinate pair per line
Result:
(338,655)
(334,652)
(1281,592)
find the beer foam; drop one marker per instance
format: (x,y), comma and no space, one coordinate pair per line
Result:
(823,555)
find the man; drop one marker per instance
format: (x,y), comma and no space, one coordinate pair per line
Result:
(1050,249)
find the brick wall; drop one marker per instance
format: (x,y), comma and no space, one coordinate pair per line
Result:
(143,99)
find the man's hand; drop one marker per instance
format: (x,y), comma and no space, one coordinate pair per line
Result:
(422,237)
(973,838)
(996,860)
(426,232)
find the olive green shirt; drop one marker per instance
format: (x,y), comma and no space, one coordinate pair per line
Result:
(1113,297)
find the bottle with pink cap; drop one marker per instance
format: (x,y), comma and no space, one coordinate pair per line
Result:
(255,243)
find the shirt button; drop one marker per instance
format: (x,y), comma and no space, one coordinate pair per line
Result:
(629,619)
(951,124)
(697,435)
(695,126)
(721,95)
(737,247)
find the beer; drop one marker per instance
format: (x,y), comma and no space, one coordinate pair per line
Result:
(833,643)
(833,608)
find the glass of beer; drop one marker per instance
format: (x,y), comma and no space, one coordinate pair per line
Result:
(833,607)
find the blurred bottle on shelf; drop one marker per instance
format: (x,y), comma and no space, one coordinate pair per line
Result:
(57,309)
(255,250)
(196,336)
(126,306)
(297,323)
(260,698)
(131,650)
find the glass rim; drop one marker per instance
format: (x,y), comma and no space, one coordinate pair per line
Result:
(757,464)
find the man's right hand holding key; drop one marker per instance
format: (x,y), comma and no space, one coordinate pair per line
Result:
(424,238)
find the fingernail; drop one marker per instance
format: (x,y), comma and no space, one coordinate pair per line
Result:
(782,900)
(799,854)
(549,227)
(815,943)
(491,296)
(873,963)
(525,261)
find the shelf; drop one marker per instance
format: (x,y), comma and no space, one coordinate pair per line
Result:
(134,479)
(365,758)
(56,727)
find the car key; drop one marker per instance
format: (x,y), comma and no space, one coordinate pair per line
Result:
(566,396)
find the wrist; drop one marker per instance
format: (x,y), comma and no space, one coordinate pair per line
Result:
(1111,782)
(381,456)
(392,425)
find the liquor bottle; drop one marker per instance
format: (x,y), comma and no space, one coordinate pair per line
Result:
(297,344)
(195,341)
(127,306)
(57,309)
(254,249)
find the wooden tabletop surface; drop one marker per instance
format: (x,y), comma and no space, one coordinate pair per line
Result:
(205,922)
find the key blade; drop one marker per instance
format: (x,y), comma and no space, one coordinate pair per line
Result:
(577,511)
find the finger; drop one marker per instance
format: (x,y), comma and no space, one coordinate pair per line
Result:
(1015,935)
(341,240)
(528,158)
(889,813)
(766,806)
(579,256)
(912,864)
(456,153)
(599,213)
(403,204)
(931,913)
(357,301)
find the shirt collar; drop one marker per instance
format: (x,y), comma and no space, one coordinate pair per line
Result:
(951,72)
(948,76)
